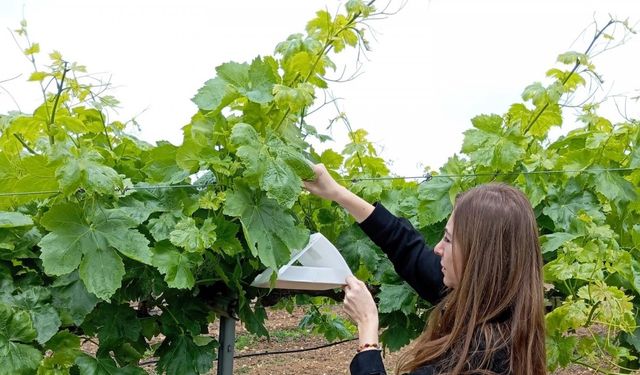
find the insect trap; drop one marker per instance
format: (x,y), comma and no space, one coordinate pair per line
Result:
(319,266)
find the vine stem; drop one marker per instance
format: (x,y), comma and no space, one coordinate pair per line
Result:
(325,50)
(104,125)
(24,144)
(575,68)
(55,103)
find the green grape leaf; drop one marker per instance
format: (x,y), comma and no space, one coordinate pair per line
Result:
(6,281)
(26,174)
(398,332)
(635,235)
(560,351)
(32,49)
(488,123)
(281,183)
(614,187)
(488,145)
(234,73)
(16,331)
(331,159)
(571,57)
(635,158)
(161,166)
(534,187)
(14,219)
(176,266)
(214,95)
(181,355)
(163,225)
(551,242)
(71,299)
(397,297)
(296,161)
(571,315)
(253,319)
(320,26)
(261,80)
(116,324)
(193,239)
(280,180)
(269,230)
(102,271)
(435,201)
(294,99)
(564,209)
(359,7)
(357,248)
(87,171)
(65,348)
(43,315)
(612,304)
(227,239)
(139,206)
(185,314)
(87,234)
(300,63)
(105,366)
(550,117)
(62,248)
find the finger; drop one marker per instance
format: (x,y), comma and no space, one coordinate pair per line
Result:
(352,281)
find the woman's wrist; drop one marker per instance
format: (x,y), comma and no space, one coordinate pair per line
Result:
(341,195)
(368,333)
(357,207)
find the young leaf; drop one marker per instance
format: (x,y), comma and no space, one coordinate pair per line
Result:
(175,265)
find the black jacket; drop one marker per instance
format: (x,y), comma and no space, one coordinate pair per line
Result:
(416,263)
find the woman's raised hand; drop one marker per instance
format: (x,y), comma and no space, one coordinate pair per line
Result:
(324,185)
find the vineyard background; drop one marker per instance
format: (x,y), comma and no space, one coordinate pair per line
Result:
(109,238)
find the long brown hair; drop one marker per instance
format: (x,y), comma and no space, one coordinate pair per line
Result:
(497,308)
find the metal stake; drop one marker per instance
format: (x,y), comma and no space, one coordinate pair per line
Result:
(227,344)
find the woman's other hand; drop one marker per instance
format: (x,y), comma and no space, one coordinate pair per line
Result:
(361,308)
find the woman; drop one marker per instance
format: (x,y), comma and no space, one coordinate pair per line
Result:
(484,278)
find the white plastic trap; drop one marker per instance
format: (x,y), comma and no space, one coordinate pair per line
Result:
(322,267)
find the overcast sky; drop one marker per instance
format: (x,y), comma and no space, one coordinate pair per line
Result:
(432,67)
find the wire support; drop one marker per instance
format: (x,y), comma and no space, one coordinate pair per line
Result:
(429,176)
(128,188)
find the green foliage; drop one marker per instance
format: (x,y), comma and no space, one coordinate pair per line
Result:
(88,245)
(93,243)
(16,336)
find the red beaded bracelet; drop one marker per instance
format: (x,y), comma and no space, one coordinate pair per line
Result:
(366,346)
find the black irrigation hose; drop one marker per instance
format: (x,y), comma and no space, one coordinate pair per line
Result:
(294,350)
(153,361)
